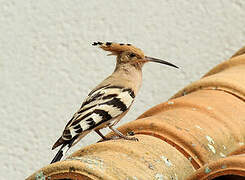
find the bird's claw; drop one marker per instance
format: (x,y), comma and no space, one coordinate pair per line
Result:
(130,138)
(134,139)
(107,139)
(118,137)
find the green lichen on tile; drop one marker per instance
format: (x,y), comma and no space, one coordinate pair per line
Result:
(170,102)
(159,176)
(150,166)
(210,140)
(223,166)
(211,147)
(40,176)
(167,161)
(222,154)
(207,170)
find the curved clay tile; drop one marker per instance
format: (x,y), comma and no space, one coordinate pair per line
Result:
(197,134)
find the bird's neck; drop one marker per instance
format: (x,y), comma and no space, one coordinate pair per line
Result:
(130,75)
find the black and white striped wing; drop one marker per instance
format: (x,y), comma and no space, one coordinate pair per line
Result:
(102,105)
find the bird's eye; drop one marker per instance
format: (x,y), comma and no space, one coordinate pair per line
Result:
(132,55)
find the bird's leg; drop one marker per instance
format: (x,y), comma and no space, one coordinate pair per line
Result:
(101,135)
(121,135)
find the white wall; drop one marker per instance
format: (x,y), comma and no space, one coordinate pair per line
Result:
(48,66)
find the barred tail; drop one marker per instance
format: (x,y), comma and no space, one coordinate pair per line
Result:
(64,143)
(59,142)
(59,154)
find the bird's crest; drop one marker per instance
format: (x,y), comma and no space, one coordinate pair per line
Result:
(117,48)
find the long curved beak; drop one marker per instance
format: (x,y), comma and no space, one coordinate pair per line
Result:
(159,61)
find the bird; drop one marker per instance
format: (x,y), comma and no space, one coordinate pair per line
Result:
(109,101)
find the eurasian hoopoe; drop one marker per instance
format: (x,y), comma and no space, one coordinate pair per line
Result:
(107,103)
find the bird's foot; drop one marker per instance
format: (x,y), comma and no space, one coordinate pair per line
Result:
(119,137)
(130,138)
(123,136)
(107,139)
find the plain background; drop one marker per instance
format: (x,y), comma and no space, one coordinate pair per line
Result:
(48,66)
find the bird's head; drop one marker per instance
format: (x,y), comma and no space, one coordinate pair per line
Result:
(127,53)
